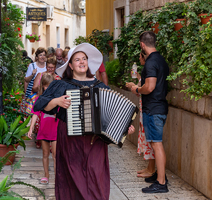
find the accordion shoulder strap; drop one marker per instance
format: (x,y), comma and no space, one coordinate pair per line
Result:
(81,86)
(72,82)
(96,83)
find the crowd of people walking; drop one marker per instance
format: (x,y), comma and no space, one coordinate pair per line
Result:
(81,162)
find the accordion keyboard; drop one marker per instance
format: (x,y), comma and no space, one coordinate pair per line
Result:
(79,115)
(74,113)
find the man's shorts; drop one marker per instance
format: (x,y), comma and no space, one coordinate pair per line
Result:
(153,127)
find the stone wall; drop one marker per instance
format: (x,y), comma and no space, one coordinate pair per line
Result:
(136,5)
(187,141)
(187,138)
(202,107)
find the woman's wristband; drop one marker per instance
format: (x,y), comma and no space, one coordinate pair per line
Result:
(139,80)
(137,90)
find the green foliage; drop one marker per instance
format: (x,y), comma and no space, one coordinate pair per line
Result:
(10,54)
(113,71)
(128,45)
(3,160)
(80,40)
(12,101)
(6,183)
(97,38)
(187,51)
(201,6)
(12,134)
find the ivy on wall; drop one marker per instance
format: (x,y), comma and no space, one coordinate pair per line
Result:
(97,38)
(188,51)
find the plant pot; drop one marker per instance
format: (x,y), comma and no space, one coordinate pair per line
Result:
(155,28)
(4,150)
(179,25)
(205,20)
(111,45)
(32,40)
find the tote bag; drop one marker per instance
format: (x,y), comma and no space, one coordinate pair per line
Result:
(30,85)
(29,103)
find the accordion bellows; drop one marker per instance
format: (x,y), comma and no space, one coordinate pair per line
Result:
(100,111)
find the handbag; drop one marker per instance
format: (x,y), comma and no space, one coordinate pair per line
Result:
(29,103)
(30,85)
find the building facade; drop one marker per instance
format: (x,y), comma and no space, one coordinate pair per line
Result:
(65,22)
(99,15)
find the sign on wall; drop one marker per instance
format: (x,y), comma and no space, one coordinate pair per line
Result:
(36,14)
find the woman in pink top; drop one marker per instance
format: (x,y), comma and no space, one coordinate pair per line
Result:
(47,131)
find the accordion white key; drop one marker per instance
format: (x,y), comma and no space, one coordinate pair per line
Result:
(100,111)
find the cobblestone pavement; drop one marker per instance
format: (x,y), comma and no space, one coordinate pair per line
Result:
(124,164)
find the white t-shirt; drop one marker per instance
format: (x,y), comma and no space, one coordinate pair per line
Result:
(39,70)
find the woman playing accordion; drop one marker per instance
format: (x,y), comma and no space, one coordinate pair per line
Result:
(82,165)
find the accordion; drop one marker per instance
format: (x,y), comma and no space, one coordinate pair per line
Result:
(100,111)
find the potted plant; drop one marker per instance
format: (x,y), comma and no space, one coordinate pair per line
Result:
(33,37)
(110,43)
(103,40)
(202,8)
(178,14)
(11,136)
(153,15)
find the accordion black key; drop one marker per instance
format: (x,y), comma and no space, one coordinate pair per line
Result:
(100,111)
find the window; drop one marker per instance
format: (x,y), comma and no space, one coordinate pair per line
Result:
(66,37)
(122,17)
(58,36)
(47,35)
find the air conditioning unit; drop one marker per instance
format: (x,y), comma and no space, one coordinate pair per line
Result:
(17,6)
(50,11)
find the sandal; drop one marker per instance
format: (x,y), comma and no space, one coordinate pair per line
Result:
(38,144)
(145,174)
(44,181)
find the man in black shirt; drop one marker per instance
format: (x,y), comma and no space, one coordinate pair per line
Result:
(154,106)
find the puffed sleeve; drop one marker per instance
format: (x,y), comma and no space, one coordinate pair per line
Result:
(29,70)
(56,89)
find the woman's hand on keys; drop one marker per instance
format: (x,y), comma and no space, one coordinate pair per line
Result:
(63,101)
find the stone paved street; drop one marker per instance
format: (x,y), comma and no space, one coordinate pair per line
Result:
(123,166)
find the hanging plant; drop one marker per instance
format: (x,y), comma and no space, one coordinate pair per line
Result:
(33,37)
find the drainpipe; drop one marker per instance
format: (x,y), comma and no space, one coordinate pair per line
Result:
(127,11)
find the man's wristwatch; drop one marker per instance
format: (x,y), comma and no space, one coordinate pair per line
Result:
(136,90)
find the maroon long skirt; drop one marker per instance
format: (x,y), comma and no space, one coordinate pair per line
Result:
(82,168)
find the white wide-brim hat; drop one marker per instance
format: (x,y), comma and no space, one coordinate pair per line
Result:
(95,57)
